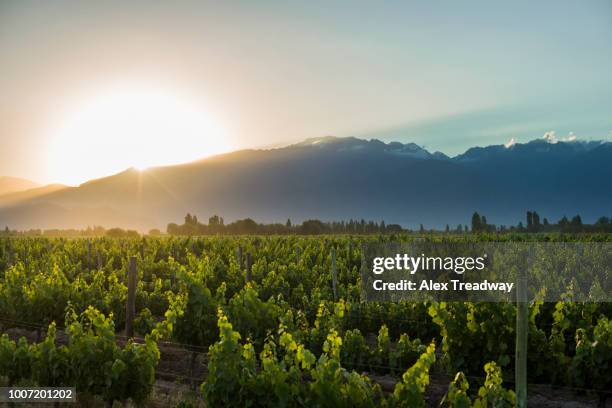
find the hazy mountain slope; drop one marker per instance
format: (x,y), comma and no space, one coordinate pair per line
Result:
(49,216)
(341,178)
(14,184)
(15,198)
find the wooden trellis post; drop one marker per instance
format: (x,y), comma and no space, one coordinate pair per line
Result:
(249,267)
(131,298)
(239,257)
(522,330)
(363,269)
(297,254)
(363,260)
(334,274)
(9,252)
(89,262)
(48,255)
(266,269)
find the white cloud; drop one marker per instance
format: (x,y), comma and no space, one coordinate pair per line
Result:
(570,138)
(550,137)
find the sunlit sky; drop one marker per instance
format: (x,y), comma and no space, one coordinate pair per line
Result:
(87,90)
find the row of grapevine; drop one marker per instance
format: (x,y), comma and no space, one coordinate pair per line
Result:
(183,283)
(287,374)
(91,361)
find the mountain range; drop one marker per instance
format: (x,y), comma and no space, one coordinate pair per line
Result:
(332,178)
(13,184)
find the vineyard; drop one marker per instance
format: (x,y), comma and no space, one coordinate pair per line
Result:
(276,322)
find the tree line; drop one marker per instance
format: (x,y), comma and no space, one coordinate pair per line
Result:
(216,225)
(533,223)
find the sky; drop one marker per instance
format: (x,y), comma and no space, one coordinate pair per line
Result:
(87,89)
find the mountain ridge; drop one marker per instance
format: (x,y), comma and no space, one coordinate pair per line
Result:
(21,195)
(14,184)
(340,178)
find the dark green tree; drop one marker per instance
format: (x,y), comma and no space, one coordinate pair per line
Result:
(529,221)
(536,221)
(576,221)
(476,222)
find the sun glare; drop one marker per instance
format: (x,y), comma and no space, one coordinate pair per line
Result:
(135,128)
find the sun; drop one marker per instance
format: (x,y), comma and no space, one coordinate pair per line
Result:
(131,128)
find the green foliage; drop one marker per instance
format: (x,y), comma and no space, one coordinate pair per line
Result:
(50,364)
(591,365)
(333,386)
(99,367)
(410,391)
(568,318)
(230,368)
(251,316)
(405,353)
(475,333)
(290,375)
(297,345)
(329,318)
(92,362)
(492,394)
(382,351)
(355,354)
(457,394)
(15,359)
(197,324)
(144,321)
